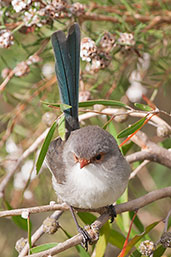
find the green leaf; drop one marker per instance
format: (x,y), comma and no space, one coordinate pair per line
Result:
(61,127)
(103,102)
(90,103)
(137,222)
(62,106)
(125,215)
(103,240)
(86,217)
(128,6)
(29,231)
(136,253)
(159,251)
(42,247)
(113,132)
(18,220)
(126,147)
(136,238)
(126,132)
(116,238)
(143,107)
(166,143)
(82,252)
(45,147)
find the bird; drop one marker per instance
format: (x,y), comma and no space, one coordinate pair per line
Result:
(88,168)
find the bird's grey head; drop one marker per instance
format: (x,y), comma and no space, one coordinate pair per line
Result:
(89,141)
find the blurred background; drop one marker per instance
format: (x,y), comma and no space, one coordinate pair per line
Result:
(125,56)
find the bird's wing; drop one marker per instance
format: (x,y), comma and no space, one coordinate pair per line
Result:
(54,160)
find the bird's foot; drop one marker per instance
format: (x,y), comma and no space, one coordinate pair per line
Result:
(86,237)
(112,212)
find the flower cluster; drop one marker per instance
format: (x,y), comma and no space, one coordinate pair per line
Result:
(34,17)
(107,42)
(39,13)
(6,38)
(19,5)
(88,49)
(77,9)
(126,40)
(20,244)
(97,56)
(21,68)
(165,240)
(99,61)
(147,248)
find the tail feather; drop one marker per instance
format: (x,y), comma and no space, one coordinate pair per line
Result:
(67,56)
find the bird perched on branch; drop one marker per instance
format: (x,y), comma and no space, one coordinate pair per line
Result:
(88,169)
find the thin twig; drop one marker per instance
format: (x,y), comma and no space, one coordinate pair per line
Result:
(39,232)
(166,221)
(129,206)
(134,173)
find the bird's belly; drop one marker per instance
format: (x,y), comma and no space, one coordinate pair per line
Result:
(90,188)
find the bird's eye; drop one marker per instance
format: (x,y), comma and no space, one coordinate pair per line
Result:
(98,157)
(75,158)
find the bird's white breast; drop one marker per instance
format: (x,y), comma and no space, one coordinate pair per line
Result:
(89,187)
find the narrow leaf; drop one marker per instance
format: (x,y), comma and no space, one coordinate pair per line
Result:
(136,253)
(61,127)
(159,251)
(29,231)
(103,240)
(86,217)
(143,107)
(128,6)
(43,247)
(92,103)
(63,107)
(18,220)
(126,132)
(136,238)
(125,148)
(113,132)
(45,147)
(116,238)
(103,102)
(137,222)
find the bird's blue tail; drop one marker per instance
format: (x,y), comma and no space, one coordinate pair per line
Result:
(67,56)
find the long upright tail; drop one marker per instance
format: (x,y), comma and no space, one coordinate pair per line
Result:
(67,56)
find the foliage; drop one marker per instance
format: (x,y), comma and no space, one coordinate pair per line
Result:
(129,62)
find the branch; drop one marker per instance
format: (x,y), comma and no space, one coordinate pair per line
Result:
(150,151)
(39,232)
(132,205)
(33,210)
(130,19)
(165,159)
(134,172)
(112,111)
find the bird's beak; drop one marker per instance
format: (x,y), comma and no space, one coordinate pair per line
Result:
(83,162)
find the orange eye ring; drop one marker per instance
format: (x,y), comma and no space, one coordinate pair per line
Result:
(98,158)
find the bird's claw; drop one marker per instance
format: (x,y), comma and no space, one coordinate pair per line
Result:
(86,238)
(112,212)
